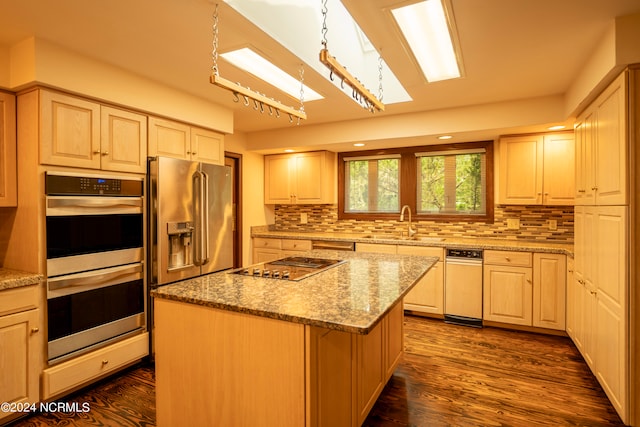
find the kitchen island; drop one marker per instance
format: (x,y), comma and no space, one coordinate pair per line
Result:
(242,350)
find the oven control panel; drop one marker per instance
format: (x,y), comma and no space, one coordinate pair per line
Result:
(91,185)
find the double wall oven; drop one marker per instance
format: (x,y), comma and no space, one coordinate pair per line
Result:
(96,292)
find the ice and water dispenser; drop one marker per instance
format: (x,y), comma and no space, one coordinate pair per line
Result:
(180,239)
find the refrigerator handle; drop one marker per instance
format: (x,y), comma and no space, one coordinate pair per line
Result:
(201,218)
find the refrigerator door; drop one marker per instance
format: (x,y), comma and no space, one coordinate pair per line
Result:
(171,220)
(219,219)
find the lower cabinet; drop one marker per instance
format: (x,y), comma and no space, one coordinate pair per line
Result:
(67,376)
(266,249)
(526,289)
(20,348)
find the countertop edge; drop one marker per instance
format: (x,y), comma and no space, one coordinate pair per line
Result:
(12,279)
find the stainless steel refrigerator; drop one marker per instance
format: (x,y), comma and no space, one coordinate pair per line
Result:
(190,219)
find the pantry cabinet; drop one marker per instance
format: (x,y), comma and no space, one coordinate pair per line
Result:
(169,138)
(81,133)
(601,148)
(8,183)
(21,346)
(300,178)
(537,169)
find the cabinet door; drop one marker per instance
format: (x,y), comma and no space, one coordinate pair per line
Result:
(549,290)
(558,169)
(170,139)
(308,177)
(428,295)
(370,371)
(520,170)
(584,163)
(123,140)
(8,183)
(207,146)
(611,145)
(69,131)
(394,340)
(277,180)
(20,352)
(508,294)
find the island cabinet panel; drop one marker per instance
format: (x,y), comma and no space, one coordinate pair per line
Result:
(370,369)
(8,177)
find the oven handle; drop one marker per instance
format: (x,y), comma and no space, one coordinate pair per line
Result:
(80,282)
(88,205)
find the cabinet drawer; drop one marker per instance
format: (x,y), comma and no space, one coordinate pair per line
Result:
(517,259)
(421,251)
(260,242)
(296,245)
(19,299)
(81,370)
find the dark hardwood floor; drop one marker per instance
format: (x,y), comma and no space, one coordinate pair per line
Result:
(450,376)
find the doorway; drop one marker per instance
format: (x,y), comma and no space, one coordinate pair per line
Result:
(234,161)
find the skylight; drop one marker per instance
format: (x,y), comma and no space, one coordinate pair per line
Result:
(427,31)
(246,59)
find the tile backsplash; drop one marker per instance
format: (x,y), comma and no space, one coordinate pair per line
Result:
(534,223)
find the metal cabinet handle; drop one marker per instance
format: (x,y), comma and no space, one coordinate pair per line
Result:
(106,153)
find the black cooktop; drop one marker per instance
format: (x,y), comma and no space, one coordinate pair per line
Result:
(291,268)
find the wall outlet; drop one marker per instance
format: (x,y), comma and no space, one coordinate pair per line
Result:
(513,223)
(553,224)
(304,218)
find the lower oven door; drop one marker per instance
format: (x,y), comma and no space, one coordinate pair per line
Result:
(90,309)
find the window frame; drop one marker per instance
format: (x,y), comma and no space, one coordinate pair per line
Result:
(409,182)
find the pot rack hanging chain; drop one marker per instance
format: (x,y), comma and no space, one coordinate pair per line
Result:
(301,72)
(325,29)
(380,93)
(214,52)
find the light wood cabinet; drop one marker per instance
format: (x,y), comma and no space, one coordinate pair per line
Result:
(67,376)
(537,169)
(300,178)
(549,290)
(168,138)
(8,177)
(428,295)
(508,287)
(21,347)
(80,133)
(601,148)
(267,249)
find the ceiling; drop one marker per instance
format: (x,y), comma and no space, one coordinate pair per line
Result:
(512,50)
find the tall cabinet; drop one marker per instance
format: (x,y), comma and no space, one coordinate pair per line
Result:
(598,320)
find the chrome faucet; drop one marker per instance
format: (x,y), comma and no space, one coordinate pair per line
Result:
(410,231)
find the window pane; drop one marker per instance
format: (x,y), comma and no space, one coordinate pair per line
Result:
(452,184)
(372,185)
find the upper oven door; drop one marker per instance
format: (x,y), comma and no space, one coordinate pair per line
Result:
(89,232)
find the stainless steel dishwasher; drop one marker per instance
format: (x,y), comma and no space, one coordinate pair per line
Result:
(463,287)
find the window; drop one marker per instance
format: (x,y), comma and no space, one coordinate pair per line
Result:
(372,184)
(439,182)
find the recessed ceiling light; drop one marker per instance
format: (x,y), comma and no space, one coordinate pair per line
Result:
(431,37)
(247,60)
(358,144)
(445,137)
(558,127)
(289,150)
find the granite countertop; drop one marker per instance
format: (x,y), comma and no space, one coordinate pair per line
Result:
(446,242)
(10,279)
(351,297)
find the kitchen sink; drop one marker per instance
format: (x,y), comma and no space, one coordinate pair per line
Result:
(415,238)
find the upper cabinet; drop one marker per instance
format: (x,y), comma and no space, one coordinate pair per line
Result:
(537,169)
(601,149)
(81,133)
(8,187)
(178,140)
(300,178)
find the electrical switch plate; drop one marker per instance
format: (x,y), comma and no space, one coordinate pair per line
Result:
(304,218)
(513,223)
(553,224)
